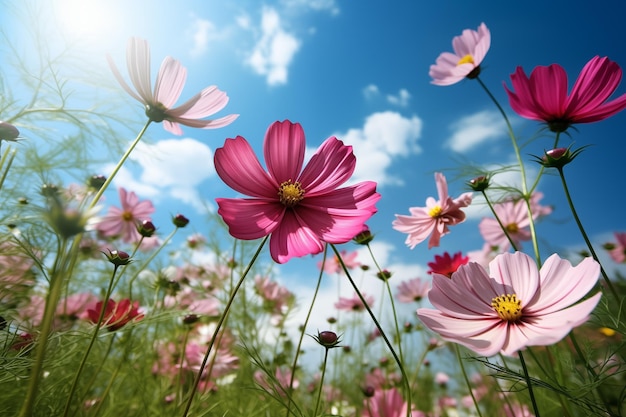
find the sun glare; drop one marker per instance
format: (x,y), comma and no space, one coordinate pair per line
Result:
(84,20)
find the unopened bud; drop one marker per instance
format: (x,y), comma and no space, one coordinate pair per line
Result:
(8,132)
(180,221)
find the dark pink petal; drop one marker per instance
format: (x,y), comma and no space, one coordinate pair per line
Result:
(521,98)
(331,166)
(170,82)
(283,150)
(548,85)
(239,168)
(292,238)
(596,82)
(249,219)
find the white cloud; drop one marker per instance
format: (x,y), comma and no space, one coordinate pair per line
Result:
(371,91)
(476,129)
(274,50)
(402,99)
(171,167)
(201,32)
(383,137)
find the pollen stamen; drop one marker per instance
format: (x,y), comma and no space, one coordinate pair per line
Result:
(435,211)
(467,59)
(290,193)
(508,307)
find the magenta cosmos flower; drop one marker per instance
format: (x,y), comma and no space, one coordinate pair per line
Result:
(434,219)
(470,49)
(514,306)
(446,264)
(300,208)
(544,96)
(123,222)
(169,84)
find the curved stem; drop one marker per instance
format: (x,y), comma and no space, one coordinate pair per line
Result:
(529,384)
(585,237)
(504,229)
(467,381)
(196,382)
(119,165)
(405,379)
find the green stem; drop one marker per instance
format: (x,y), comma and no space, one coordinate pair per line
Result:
(319,393)
(94,336)
(504,229)
(119,165)
(405,378)
(4,157)
(520,162)
(529,384)
(54,294)
(467,381)
(196,382)
(306,322)
(585,237)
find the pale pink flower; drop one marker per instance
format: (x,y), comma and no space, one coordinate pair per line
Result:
(74,306)
(412,290)
(544,96)
(300,208)
(434,219)
(169,84)
(618,250)
(279,383)
(470,49)
(354,303)
(276,298)
(513,215)
(123,222)
(514,306)
(386,403)
(333,266)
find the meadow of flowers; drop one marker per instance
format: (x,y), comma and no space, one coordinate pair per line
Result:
(101,316)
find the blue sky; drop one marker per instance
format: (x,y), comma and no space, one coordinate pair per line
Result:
(359,70)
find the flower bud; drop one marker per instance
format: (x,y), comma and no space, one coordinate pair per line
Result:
(327,339)
(364,236)
(146,228)
(190,319)
(480,183)
(384,275)
(8,132)
(180,221)
(368,391)
(118,258)
(558,157)
(96,181)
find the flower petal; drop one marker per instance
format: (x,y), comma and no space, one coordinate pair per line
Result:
(207,102)
(283,150)
(517,271)
(331,166)
(138,63)
(170,82)
(239,168)
(249,219)
(293,238)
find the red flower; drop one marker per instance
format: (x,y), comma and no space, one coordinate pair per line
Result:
(116,315)
(446,264)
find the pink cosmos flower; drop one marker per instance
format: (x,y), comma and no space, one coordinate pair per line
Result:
(412,290)
(333,266)
(386,403)
(123,222)
(277,299)
(544,96)
(354,303)
(169,84)
(513,215)
(116,315)
(618,250)
(300,208)
(470,49)
(446,264)
(435,218)
(514,306)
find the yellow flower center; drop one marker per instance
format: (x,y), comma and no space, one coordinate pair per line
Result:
(290,193)
(435,211)
(512,228)
(508,307)
(467,59)
(127,216)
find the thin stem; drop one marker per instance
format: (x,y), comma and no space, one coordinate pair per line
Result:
(319,393)
(529,384)
(94,336)
(4,157)
(405,379)
(119,165)
(54,294)
(467,381)
(504,229)
(306,322)
(196,382)
(585,237)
